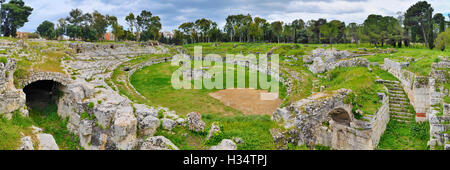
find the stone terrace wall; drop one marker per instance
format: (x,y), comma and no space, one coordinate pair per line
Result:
(307,119)
(380,120)
(416,87)
(11,99)
(439,123)
(38,76)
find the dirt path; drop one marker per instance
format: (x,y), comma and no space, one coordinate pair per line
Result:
(247,100)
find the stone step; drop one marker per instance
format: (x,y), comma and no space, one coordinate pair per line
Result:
(397,95)
(402,121)
(401,113)
(396,92)
(398,109)
(395,88)
(392,84)
(396,105)
(403,102)
(400,117)
(395,84)
(398,98)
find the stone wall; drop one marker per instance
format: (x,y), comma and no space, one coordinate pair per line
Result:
(416,87)
(325,60)
(114,49)
(11,99)
(38,76)
(313,121)
(439,117)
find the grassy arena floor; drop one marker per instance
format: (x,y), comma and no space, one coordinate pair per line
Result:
(154,83)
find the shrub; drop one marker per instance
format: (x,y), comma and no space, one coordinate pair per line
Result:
(420,130)
(3,60)
(91,105)
(161,114)
(443,40)
(217,137)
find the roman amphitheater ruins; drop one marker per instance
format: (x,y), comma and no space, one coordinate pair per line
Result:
(104,118)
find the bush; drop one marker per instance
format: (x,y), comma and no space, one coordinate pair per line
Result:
(91,105)
(420,130)
(3,60)
(443,40)
(217,137)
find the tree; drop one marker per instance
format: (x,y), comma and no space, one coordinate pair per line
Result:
(131,21)
(277,27)
(439,19)
(443,40)
(99,24)
(150,26)
(204,25)
(354,31)
(46,30)
(75,17)
(419,16)
(73,31)
(330,30)
(188,29)
(61,28)
(297,25)
(14,15)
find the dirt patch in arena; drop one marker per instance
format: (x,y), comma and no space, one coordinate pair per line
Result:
(247,100)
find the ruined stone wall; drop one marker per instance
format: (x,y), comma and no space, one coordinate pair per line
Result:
(439,119)
(109,125)
(131,48)
(310,122)
(11,99)
(416,87)
(381,120)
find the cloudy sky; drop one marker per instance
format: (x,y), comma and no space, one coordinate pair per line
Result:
(175,12)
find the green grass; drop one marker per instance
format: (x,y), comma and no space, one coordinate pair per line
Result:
(3,60)
(51,123)
(10,131)
(361,82)
(383,74)
(154,83)
(47,119)
(254,131)
(401,136)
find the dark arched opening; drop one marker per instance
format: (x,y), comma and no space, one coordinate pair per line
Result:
(340,116)
(41,94)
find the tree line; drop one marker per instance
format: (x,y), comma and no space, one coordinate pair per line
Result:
(416,25)
(93,26)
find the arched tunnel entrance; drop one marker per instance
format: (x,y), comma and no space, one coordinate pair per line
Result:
(43,93)
(340,116)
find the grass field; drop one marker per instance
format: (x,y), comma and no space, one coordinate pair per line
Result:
(363,85)
(154,83)
(47,119)
(401,136)
(253,130)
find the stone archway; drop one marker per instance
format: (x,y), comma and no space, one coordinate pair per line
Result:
(44,88)
(341,116)
(42,93)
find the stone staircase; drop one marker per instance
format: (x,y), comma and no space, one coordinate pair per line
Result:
(399,103)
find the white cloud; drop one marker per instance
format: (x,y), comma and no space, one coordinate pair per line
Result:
(174,12)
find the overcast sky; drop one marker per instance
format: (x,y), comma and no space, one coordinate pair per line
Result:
(175,12)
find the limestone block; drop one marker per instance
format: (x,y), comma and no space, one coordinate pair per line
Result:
(168,124)
(226,144)
(47,142)
(158,143)
(27,143)
(148,125)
